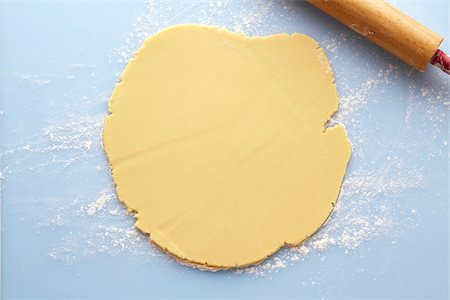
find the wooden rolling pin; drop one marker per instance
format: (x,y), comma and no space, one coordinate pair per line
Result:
(390,29)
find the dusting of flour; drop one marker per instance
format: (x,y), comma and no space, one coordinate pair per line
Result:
(372,197)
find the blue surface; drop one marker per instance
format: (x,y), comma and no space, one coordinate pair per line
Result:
(59,63)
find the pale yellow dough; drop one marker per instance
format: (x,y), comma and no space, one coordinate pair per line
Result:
(218,143)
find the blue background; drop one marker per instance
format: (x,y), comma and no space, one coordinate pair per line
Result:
(59,63)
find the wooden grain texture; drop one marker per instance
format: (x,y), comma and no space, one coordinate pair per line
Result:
(387,27)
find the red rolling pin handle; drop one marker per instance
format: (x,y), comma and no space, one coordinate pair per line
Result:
(441,60)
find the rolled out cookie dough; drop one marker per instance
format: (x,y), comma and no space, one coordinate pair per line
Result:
(217,142)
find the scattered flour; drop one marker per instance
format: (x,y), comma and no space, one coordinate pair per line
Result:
(99,204)
(94,222)
(235,15)
(31,79)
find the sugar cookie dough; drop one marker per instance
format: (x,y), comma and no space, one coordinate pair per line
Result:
(217,143)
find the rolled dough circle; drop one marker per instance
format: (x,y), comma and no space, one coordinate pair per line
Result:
(217,142)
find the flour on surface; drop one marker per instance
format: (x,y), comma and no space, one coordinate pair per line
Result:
(99,204)
(387,163)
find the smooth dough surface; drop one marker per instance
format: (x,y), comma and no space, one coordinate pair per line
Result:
(218,143)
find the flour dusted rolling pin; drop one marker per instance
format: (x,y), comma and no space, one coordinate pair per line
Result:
(390,29)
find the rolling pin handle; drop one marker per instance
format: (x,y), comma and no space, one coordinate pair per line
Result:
(441,60)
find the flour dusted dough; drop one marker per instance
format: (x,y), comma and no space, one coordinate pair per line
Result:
(217,142)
